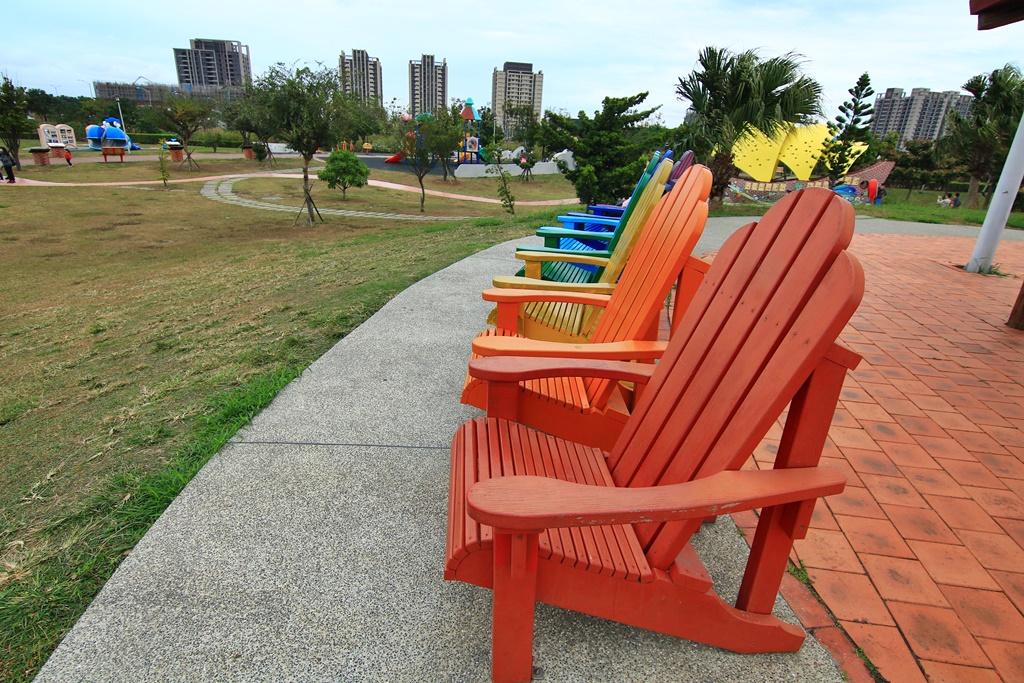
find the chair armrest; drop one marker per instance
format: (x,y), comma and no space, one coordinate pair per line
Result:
(576,234)
(519,369)
(527,503)
(523,346)
(516,282)
(525,296)
(588,218)
(602,209)
(508,301)
(590,258)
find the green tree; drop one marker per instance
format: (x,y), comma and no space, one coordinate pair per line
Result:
(447,133)
(210,138)
(358,119)
(165,175)
(344,170)
(185,116)
(523,124)
(253,117)
(851,125)
(306,104)
(733,95)
(14,122)
(490,132)
(40,103)
(608,149)
(915,166)
(414,138)
(981,140)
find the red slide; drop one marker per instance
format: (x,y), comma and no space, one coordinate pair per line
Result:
(396,159)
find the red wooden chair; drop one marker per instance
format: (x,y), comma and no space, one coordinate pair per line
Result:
(539,518)
(593,410)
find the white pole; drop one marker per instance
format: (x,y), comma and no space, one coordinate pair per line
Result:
(999,208)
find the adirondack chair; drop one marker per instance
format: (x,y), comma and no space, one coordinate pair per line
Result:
(616,210)
(594,410)
(570,321)
(686,161)
(539,518)
(578,261)
(586,233)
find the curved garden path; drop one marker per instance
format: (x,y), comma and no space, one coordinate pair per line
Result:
(220,188)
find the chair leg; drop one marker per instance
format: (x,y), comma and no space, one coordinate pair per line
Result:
(769,554)
(515,596)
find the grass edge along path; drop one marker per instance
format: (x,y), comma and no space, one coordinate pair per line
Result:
(114,521)
(40,605)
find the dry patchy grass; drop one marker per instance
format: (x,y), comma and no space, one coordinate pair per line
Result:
(125,313)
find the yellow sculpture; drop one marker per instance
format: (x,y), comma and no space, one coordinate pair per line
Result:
(798,148)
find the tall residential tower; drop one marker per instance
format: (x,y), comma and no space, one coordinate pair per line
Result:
(514,86)
(361,75)
(428,84)
(213,63)
(919,116)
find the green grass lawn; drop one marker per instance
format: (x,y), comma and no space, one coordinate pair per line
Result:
(139,329)
(920,206)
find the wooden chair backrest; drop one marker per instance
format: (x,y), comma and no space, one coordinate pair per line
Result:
(686,161)
(641,186)
(661,250)
(629,231)
(773,302)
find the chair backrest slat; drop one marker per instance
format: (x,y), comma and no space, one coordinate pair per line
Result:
(772,302)
(661,250)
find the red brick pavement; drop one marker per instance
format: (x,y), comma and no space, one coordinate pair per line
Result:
(920,562)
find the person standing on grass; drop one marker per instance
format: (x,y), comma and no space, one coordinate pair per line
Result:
(67,156)
(7,161)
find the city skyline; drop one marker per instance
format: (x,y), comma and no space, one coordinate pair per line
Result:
(587,51)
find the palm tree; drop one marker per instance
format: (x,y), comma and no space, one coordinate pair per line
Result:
(733,95)
(981,139)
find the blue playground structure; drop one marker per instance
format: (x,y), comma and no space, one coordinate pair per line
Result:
(108,135)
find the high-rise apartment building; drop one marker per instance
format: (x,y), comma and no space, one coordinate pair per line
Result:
(215,63)
(428,84)
(918,116)
(361,75)
(514,86)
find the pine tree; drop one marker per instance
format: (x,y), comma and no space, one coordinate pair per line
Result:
(852,124)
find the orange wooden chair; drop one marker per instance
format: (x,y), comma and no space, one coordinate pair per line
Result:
(539,518)
(593,410)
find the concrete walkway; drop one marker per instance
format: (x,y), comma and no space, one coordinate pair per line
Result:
(310,547)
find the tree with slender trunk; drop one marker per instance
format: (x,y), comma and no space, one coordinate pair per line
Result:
(732,96)
(186,116)
(13,121)
(305,102)
(415,138)
(981,140)
(448,132)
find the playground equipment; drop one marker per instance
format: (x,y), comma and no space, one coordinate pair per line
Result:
(413,137)
(109,138)
(471,152)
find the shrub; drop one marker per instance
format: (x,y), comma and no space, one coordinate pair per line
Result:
(344,170)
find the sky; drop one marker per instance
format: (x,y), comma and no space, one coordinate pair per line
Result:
(587,50)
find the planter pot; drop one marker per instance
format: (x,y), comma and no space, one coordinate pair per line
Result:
(40,155)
